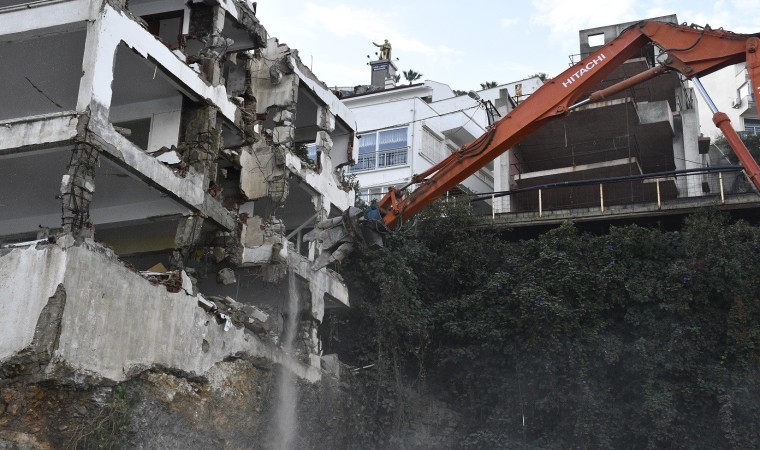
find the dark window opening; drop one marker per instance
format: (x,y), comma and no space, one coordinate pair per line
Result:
(139,131)
(167,27)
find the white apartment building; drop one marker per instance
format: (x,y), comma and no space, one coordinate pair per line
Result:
(404,130)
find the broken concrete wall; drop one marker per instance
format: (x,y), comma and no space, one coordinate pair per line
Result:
(115,324)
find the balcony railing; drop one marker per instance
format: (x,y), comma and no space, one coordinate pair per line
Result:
(602,197)
(380,159)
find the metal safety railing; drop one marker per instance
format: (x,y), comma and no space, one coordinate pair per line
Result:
(380,159)
(600,195)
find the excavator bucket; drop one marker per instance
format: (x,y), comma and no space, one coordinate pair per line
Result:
(339,236)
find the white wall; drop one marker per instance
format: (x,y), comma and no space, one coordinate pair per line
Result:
(722,87)
(450,114)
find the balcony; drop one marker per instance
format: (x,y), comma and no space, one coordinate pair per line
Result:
(380,159)
(626,197)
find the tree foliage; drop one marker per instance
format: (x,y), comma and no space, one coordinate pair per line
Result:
(541,76)
(752,141)
(488,85)
(638,338)
(411,76)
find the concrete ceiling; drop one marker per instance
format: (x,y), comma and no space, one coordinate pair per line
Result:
(32,185)
(7,3)
(136,79)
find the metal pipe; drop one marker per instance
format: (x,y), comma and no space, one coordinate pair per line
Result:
(722,196)
(704,94)
(722,121)
(493,207)
(540,205)
(579,104)
(601,197)
(659,199)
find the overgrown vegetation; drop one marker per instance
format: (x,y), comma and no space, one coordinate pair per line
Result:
(752,141)
(108,429)
(639,338)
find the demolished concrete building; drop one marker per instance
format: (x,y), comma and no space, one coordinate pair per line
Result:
(157,188)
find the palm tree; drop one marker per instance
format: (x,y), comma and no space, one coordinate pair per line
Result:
(488,85)
(411,76)
(541,76)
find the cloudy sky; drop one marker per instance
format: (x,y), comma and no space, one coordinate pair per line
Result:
(464,43)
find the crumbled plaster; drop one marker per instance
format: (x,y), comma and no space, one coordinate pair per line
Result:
(273,63)
(264,241)
(263,172)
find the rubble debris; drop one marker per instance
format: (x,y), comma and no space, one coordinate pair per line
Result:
(126,132)
(336,237)
(219,254)
(331,364)
(172,281)
(187,283)
(158,268)
(249,317)
(226,276)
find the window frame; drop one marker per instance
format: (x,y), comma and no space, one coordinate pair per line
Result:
(385,158)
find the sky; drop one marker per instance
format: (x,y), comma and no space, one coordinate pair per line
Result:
(467,42)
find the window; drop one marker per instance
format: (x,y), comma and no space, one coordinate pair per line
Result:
(386,148)
(745,91)
(368,194)
(752,126)
(432,147)
(596,40)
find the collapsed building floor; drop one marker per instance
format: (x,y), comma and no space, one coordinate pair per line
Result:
(163,160)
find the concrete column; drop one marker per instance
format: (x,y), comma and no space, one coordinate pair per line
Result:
(206,24)
(201,138)
(188,235)
(501,182)
(97,67)
(693,160)
(77,187)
